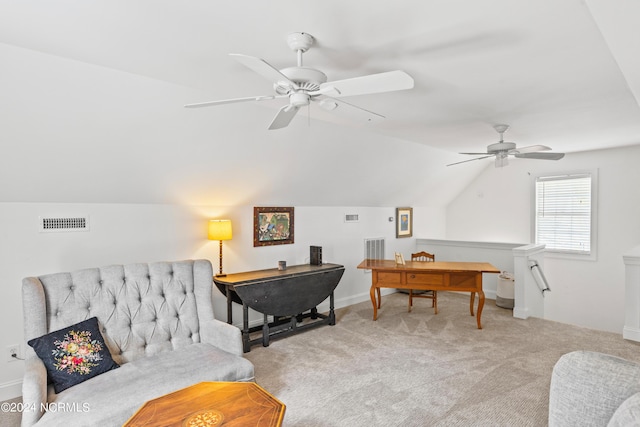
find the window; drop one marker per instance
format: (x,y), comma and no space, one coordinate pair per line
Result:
(565,213)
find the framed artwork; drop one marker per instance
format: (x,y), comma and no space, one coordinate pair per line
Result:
(272,226)
(404,222)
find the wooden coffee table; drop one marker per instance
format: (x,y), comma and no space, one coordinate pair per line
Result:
(211,404)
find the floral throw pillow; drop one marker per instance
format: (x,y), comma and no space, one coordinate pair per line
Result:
(74,354)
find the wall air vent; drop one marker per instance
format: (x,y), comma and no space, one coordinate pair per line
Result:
(374,248)
(351,218)
(51,224)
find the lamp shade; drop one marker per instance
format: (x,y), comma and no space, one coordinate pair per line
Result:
(220,229)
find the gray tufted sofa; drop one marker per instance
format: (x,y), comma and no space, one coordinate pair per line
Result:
(157,321)
(594,389)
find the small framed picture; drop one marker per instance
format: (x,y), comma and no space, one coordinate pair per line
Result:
(404,222)
(272,226)
(399,258)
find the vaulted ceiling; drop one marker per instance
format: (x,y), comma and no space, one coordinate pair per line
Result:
(92,95)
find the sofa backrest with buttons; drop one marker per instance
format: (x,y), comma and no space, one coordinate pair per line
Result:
(142,309)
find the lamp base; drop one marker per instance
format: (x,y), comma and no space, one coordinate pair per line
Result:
(221,275)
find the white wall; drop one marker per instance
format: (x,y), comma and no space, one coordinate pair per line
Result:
(497,207)
(126,233)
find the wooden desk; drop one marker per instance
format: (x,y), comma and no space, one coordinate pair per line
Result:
(212,404)
(284,294)
(437,276)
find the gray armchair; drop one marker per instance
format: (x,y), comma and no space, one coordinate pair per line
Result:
(158,323)
(594,389)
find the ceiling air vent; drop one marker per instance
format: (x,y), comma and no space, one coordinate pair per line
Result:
(351,218)
(61,224)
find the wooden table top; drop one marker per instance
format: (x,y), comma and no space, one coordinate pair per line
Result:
(210,404)
(248,277)
(385,264)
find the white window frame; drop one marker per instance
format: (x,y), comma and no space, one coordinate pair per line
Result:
(592,255)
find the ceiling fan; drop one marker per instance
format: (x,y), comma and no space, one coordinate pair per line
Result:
(303,85)
(502,150)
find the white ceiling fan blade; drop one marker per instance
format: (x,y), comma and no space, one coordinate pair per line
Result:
(234,100)
(328,90)
(531,149)
(263,68)
(540,156)
(478,154)
(349,110)
(470,160)
(373,83)
(284,117)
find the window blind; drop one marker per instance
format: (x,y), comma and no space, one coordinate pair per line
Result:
(563,212)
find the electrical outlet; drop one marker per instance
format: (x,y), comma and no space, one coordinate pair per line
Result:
(11,350)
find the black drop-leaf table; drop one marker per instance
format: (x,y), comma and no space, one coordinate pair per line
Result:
(288,295)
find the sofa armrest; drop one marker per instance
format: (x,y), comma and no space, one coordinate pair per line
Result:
(587,388)
(34,390)
(628,414)
(222,335)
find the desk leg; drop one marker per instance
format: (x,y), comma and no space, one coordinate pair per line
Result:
(472,302)
(245,328)
(480,306)
(374,302)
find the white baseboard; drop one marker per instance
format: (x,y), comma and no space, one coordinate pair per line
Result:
(10,390)
(629,333)
(521,313)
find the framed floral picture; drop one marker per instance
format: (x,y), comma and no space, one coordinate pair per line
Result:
(404,222)
(272,226)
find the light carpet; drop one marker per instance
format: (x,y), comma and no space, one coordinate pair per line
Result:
(420,369)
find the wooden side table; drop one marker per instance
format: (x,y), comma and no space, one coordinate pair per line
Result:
(210,404)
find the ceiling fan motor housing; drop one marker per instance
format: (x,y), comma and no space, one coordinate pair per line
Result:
(308,79)
(500,147)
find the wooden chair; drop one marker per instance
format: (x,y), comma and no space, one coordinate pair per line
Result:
(432,295)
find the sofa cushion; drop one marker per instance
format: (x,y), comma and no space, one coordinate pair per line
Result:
(73,354)
(111,399)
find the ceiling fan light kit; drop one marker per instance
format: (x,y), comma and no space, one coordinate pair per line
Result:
(502,150)
(304,85)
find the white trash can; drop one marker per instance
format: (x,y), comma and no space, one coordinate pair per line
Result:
(505,292)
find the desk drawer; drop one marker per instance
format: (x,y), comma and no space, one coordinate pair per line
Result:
(389,278)
(464,281)
(425,278)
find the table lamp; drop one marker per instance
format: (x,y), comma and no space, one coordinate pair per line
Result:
(220,229)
